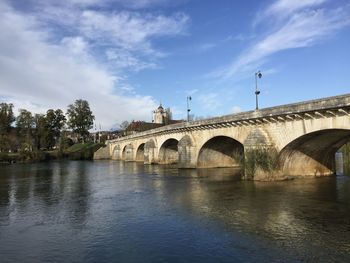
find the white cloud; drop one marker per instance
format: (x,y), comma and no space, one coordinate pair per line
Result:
(300,27)
(142,3)
(206,46)
(285,7)
(128,4)
(209,101)
(126,60)
(282,8)
(37,73)
(236,109)
(124,34)
(75,45)
(141,29)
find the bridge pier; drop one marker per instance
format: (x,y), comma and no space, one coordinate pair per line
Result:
(150,152)
(187,153)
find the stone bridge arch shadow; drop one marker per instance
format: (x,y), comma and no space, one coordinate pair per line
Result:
(140,153)
(220,151)
(313,154)
(128,153)
(123,153)
(168,152)
(116,153)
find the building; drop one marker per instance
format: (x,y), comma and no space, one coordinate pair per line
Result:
(162,116)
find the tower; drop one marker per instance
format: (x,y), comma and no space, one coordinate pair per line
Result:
(162,116)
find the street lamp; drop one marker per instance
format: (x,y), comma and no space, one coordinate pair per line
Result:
(188,107)
(257,92)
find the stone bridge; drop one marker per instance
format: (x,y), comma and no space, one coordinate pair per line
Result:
(305,137)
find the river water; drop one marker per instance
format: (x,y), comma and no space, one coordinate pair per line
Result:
(109,211)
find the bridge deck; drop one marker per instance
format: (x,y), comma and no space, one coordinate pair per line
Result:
(309,109)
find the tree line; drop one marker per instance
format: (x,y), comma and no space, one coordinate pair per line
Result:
(32,132)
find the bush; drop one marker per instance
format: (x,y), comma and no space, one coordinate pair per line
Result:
(4,158)
(263,158)
(82,151)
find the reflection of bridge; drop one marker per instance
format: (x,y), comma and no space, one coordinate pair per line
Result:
(306,136)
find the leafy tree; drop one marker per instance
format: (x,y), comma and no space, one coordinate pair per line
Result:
(80,118)
(40,131)
(6,117)
(5,145)
(55,121)
(25,124)
(64,141)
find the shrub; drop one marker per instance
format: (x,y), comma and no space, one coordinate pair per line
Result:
(260,158)
(82,151)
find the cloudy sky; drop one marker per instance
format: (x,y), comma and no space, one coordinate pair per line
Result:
(125,56)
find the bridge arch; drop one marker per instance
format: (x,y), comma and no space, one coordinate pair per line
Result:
(128,152)
(220,151)
(116,153)
(313,154)
(123,155)
(140,153)
(168,152)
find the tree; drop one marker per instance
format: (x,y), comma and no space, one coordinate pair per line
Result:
(55,121)
(40,131)
(80,118)
(6,117)
(25,124)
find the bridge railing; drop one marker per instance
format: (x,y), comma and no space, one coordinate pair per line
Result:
(321,107)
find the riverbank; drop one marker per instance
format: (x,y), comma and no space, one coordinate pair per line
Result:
(77,151)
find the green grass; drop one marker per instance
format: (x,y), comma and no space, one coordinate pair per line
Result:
(83,146)
(8,157)
(77,151)
(82,151)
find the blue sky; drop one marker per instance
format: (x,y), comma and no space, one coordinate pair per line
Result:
(125,56)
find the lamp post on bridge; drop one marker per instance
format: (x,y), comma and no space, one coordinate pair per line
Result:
(257,92)
(188,107)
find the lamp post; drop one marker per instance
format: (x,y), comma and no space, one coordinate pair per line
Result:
(188,107)
(257,92)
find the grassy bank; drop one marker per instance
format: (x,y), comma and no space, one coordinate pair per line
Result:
(81,151)
(75,152)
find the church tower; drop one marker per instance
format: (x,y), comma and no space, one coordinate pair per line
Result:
(161,116)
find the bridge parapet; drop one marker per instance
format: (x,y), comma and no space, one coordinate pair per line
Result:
(320,108)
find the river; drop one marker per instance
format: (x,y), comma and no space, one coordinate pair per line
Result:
(110,211)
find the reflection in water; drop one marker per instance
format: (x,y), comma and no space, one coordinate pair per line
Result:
(126,211)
